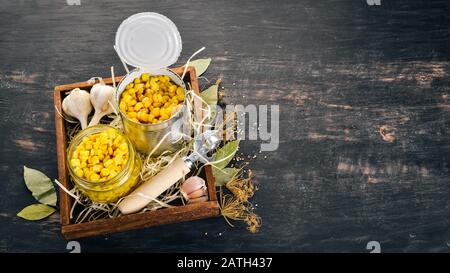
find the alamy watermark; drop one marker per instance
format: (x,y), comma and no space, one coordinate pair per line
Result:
(373,2)
(257,127)
(73,246)
(73,2)
(374,247)
(248,122)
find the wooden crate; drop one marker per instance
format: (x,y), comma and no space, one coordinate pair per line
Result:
(132,221)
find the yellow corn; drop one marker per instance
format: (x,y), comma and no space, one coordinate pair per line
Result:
(147,93)
(100,156)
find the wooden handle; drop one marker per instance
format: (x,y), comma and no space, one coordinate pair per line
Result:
(144,194)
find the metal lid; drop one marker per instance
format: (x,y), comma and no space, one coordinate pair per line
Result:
(148,40)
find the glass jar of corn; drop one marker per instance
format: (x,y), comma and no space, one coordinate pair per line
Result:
(103,163)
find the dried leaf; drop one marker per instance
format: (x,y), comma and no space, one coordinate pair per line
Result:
(223,176)
(225,154)
(210,97)
(40,186)
(36,212)
(200,65)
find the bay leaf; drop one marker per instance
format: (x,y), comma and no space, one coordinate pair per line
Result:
(40,186)
(200,65)
(227,151)
(223,176)
(210,96)
(36,212)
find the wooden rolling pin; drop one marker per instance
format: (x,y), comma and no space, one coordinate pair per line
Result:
(150,190)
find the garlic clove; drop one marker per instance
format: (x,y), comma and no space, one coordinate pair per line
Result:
(101,95)
(78,105)
(192,184)
(198,200)
(198,193)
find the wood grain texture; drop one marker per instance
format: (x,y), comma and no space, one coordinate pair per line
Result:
(341,71)
(141,220)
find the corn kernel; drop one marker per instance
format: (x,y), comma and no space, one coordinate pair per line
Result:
(132,115)
(95,160)
(104,148)
(112,174)
(155,112)
(164,117)
(87,173)
(145,77)
(140,87)
(97,168)
(111,133)
(144,117)
(108,163)
(123,147)
(154,86)
(104,172)
(75,162)
(94,177)
(79,172)
(138,106)
(172,89)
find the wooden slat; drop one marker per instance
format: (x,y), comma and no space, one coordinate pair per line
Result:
(83,85)
(141,220)
(64,200)
(211,183)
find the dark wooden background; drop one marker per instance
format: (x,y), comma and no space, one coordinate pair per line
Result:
(340,71)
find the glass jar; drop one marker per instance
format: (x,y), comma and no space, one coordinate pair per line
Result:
(112,189)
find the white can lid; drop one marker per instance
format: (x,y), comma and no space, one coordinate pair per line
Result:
(148,40)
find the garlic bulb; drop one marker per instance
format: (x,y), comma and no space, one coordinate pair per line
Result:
(78,105)
(101,95)
(194,190)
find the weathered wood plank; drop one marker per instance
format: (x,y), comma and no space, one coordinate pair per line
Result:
(340,71)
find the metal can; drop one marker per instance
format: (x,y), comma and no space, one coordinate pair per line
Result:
(160,137)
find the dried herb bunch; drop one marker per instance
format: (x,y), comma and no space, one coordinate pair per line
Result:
(242,188)
(235,206)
